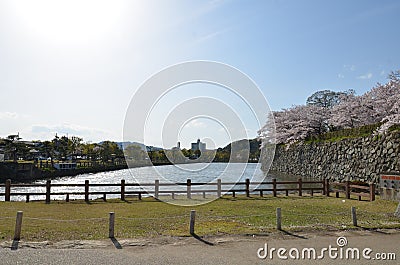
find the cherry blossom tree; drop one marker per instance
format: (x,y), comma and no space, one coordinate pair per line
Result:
(327,111)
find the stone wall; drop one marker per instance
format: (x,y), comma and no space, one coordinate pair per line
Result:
(362,159)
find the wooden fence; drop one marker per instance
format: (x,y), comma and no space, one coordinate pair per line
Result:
(349,188)
(190,188)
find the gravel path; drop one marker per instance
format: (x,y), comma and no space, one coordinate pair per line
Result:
(213,250)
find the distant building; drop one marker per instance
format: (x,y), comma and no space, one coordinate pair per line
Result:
(198,146)
(177,147)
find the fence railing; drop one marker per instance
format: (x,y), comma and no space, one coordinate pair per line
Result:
(157,189)
(189,188)
(349,188)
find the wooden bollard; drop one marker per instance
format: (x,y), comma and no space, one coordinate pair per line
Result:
(67,198)
(173,195)
(111,225)
(354,215)
(347,186)
(8,190)
(247,187)
(204,194)
(219,188)
(27,198)
(327,187)
(278,219)
(48,191)
(86,190)
(300,187)
(189,189)
(156,188)
(104,197)
(372,192)
(274,187)
(192,221)
(122,190)
(18,226)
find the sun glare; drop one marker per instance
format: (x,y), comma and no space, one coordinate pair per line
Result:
(68,21)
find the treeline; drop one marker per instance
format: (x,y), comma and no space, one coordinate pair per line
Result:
(73,149)
(59,148)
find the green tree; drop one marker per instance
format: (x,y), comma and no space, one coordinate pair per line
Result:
(47,148)
(135,152)
(12,145)
(327,98)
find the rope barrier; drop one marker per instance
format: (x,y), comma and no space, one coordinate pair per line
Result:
(152,218)
(61,220)
(1,218)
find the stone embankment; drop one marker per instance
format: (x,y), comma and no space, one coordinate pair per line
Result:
(359,159)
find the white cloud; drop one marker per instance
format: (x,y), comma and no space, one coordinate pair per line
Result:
(341,76)
(366,76)
(8,115)
(209,36)
(382,73)
(349,67)
(48,131)
(196,124)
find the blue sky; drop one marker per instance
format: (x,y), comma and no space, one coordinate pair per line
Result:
(72,66)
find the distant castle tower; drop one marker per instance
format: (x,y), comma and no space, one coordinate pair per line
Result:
(198,146)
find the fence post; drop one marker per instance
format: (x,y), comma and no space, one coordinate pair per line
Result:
(247,187)
(278,219)
(372,192)
(111,225)
(87,190)
(219,188)
(274,186)
(354,215)
(347,189)
(327,187)
(8,190)
(189,188)
(156,188)
(122,190)
(18,226)
(300,187)
(192,221)
(48,190)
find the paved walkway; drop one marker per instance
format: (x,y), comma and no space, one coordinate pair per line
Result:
(213,250)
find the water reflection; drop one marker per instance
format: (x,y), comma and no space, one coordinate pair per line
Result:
(169,173)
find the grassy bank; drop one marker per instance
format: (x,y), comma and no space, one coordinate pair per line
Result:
(148,218)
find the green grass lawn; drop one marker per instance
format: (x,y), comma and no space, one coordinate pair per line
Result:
(78,220)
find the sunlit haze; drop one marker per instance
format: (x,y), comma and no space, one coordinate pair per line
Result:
(72,67)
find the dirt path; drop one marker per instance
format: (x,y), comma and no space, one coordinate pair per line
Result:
(212,250)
